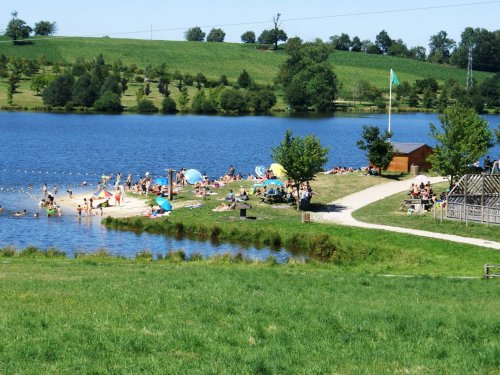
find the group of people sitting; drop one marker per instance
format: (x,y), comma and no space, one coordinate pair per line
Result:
(340,170)
(422,191)
(425,192)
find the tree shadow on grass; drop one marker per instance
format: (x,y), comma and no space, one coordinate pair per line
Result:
(23,42)
(395,176)
(317,207)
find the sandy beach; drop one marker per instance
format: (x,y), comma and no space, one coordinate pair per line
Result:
(132,206)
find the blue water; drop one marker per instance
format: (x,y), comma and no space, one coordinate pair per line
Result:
(67,149)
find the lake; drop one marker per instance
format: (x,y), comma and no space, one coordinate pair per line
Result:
(68,149)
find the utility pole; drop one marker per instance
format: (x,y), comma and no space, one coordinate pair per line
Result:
(151,33)
(469,82)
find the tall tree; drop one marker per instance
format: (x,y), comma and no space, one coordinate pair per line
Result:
(200,80)
(356,44)
(194,34)
(462,138)
(485,50)
(302,158)
(12,85)
(58,92)
(248,37)
(216,35)
(17,28)
(84,93)
(39,82)
(383,42)
(99,71)
(44,28)
(342,42)
(274,35)
(244,79)
(307,77)
(440,47)
(377,146)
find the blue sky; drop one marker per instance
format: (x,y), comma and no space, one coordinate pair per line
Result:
(107,17)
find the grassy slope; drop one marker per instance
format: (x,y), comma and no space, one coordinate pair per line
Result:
(117,316)
(394,215)
(215,59)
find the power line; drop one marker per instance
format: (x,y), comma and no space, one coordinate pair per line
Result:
(354,14)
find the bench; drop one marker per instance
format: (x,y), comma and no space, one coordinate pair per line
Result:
(489,271)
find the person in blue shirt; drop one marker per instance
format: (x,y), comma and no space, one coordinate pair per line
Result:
(230,196)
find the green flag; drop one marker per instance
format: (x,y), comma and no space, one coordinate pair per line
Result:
(394,79)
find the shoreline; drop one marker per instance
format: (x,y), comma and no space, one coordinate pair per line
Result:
(132,206)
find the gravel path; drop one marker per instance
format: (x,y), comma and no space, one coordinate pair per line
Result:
(340,212)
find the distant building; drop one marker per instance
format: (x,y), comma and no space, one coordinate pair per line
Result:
(408,154)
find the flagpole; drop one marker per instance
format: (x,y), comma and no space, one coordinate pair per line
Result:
(390,99)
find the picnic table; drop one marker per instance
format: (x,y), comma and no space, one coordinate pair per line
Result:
(417,204)
(272,198)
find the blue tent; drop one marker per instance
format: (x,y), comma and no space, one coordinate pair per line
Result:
(193,176)
(161,181)
(164,203)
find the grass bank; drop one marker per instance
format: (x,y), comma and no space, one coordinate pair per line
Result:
(395,215)
(354,249)
(104,315)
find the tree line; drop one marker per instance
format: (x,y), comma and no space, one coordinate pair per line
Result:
(484,45)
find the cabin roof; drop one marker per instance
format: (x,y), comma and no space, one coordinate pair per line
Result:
(406,148)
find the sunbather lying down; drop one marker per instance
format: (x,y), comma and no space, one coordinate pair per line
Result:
(224,207)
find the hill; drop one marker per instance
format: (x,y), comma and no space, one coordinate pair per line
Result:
(215,59)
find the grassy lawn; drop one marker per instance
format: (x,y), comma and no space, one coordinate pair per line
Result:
(389,212)
(98,315)
(353,249)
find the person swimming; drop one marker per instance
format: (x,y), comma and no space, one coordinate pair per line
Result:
(20,213)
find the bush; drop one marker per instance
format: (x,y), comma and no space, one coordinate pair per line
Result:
(30,251)
(54,253)
(139,79)
(196,257)
(144,255)
(108,102)
(146,106)
(176,256)
(8,252)
(233,100)
(168,105)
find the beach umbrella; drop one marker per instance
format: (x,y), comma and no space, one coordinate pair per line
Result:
(103,194)
(164,203)
(193,176)
(161,181)
(278,170)
(422,179)
(260,170)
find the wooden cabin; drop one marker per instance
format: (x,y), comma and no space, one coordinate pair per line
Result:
(408,154)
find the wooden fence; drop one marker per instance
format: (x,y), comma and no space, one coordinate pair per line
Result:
(476,197)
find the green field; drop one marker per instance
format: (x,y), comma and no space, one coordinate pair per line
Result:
(99,315)
(215,59)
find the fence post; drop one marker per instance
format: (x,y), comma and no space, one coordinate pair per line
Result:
(486,269)
(170,184)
